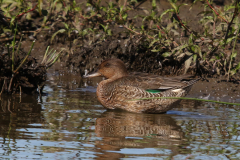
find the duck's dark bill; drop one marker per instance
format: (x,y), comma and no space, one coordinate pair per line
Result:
(95,74)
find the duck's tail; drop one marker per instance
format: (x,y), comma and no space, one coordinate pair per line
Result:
(186,87)
(191,82)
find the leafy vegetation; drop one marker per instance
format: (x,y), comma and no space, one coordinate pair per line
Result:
(210,51)
(20,72)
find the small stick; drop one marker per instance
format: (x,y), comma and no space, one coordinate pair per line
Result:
(175,43)
(20,15)
(187,98)
(216,11)
(3,86)
(10,84)
(9,108)
(214,28)
(20,88)
(20,94)
(139,4)
(39,90)
(180,21)
(150,37)
(231,22)
(24,58)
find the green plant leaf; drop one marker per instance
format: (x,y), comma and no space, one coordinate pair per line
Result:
(58,7)
(183,4)
(156,40)
(180,55)
(167,54)
(228,7)
(187,64)
(154,4)
(59,31)
(179,48)
(66,25)
(234,71)
(109,32)
(104,28)
(190,40)
(174,6)
(153,14)
(234,54)
(199,51)
(238,66)
(194,58)
(85,32)
(121,9)
(104,9)
(159,35)
(125,16)
(155,50)
(165,12)
(230,39)
(205,12)
(147,18)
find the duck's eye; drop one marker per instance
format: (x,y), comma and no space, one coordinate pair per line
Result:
(106,65)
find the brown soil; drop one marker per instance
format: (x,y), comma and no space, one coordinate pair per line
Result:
(131,49)
(134,52)
(216,89)
(25,80)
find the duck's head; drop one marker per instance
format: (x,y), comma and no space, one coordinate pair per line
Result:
(111,68)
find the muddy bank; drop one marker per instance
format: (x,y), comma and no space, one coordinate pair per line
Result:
(24,75)
(85,49)
(216,89)
(138,54)
(86,52)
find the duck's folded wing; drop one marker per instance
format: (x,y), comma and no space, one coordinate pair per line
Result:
(126,92)
(154,82)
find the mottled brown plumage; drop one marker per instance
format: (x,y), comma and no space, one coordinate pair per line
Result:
(123,90)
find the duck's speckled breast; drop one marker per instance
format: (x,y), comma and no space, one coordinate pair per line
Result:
(105,93)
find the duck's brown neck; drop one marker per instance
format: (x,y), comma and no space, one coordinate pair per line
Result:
(116,75)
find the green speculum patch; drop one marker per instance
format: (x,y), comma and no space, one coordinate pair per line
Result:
(153,90)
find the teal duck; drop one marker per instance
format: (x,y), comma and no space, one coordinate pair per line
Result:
(124,90)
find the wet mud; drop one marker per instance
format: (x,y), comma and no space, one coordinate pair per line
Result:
(24,79)
(132,49)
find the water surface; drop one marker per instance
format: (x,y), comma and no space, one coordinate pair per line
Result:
(69,123)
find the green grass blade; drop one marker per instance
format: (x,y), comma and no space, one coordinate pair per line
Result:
(187,98)
(25,57)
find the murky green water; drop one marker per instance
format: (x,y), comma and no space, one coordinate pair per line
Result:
(69,123)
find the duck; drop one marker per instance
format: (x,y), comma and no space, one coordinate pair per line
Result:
(137,92)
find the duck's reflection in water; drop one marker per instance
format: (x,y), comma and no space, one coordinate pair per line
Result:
(121,130)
